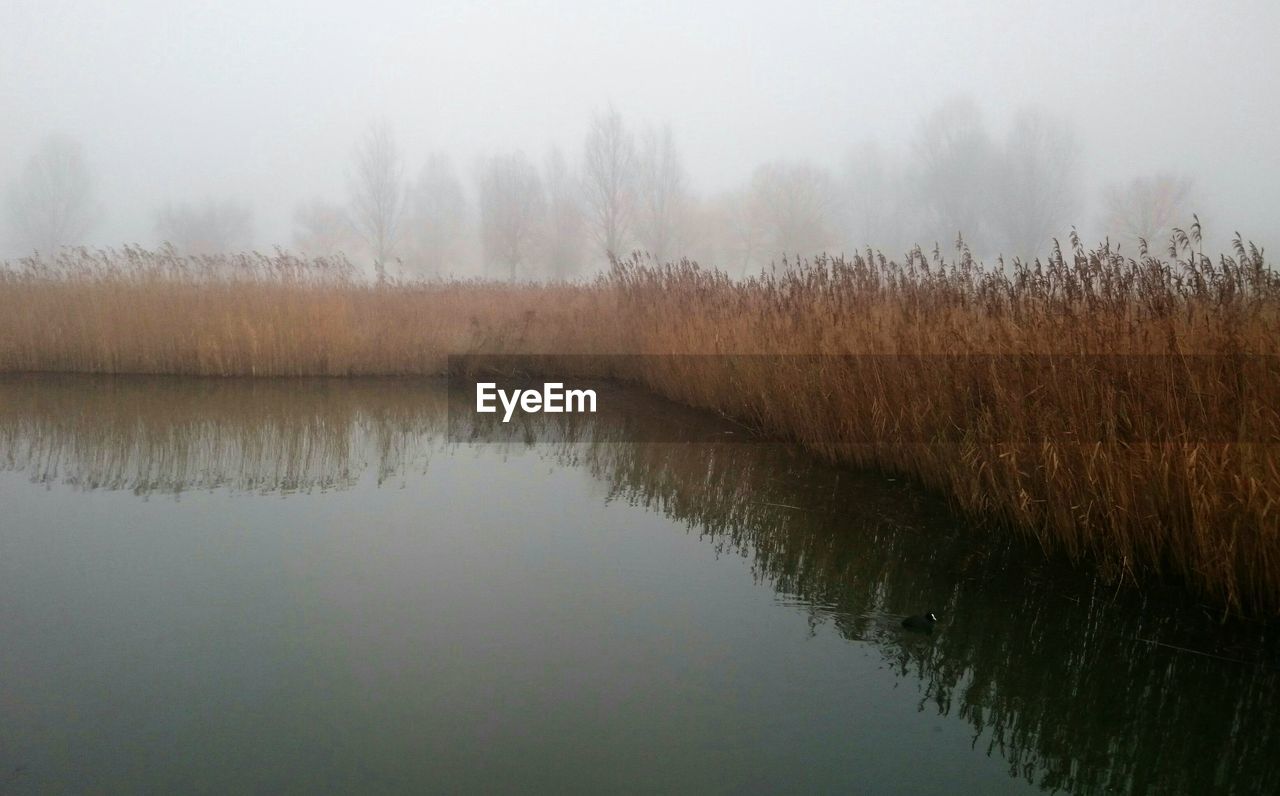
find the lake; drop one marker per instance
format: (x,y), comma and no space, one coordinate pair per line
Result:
(213,586)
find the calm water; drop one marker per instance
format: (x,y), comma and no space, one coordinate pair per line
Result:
(234,586)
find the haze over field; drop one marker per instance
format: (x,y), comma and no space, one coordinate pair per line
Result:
(792,127)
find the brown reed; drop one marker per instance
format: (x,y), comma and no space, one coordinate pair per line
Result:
(1122,410)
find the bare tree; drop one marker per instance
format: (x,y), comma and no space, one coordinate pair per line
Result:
(437,215)
(956,159)
(609,166)
(791,208)
(377,190)
(52,203)
(563,240)
(210,227)
(1147,208)
(511,209)
(663,199)
(1038,186)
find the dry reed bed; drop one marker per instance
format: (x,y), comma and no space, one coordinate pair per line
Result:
(1123,410)
(155,312)
(1119,409)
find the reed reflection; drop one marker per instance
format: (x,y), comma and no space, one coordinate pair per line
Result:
(1078,685)
(169,435)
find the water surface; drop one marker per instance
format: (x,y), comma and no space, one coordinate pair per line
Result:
(302,586)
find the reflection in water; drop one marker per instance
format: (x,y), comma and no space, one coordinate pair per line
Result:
(160,434)
(1077,686)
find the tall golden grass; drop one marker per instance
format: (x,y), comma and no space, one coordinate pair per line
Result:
(133,310)
(1119,409)
(1125,410)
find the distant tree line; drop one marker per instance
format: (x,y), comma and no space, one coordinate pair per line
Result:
(1003,193)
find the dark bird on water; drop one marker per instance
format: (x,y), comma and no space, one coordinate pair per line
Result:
(921,623)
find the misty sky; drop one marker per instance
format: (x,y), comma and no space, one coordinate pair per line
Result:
(264,100)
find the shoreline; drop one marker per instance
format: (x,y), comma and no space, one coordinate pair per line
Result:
(1049,453)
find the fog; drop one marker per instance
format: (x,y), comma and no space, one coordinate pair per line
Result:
(852,124)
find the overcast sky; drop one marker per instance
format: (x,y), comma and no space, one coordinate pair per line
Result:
(264,100)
